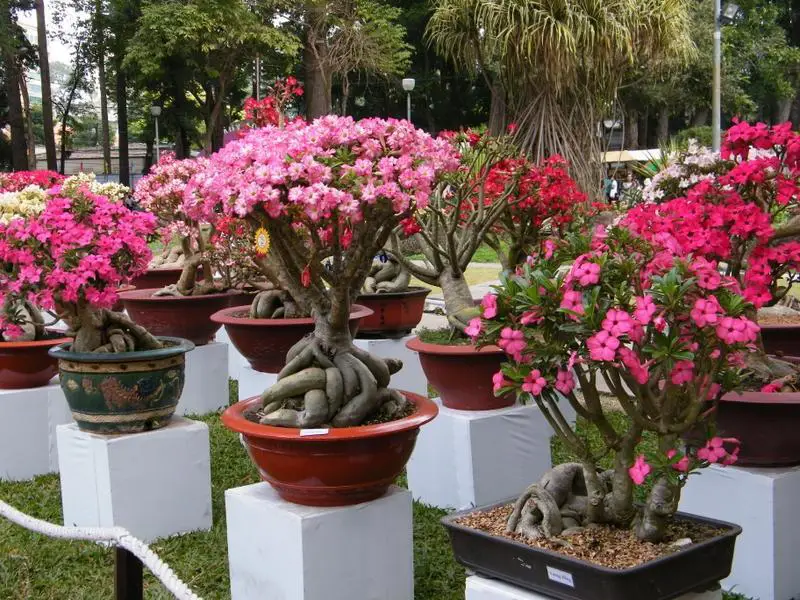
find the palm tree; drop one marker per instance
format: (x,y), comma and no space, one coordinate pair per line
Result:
(556,65)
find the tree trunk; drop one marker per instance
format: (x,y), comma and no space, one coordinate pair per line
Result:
(101,81)
(317,84)
(700,118)
(16,120)
(783,110)
(47,98)
(458,303)
(122,125)
(497,110)
(632,130)
(642,127)
(29,137)
(662,133)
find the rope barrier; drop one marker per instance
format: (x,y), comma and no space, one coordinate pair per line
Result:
(114,535)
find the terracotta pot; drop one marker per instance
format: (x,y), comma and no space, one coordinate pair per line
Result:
(395,313)
(462,374)
(765,424)
(265,342)
(28,364)
(127,392)
(344,466)
(781,340)
(242,297)
(118,305)
(186,317)
(157,278)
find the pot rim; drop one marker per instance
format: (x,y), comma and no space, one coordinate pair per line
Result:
(753,397)
(411,292)
(733,530)
(146,295)
(225,317)
(35,343)
(233,418)
(418,345)
(180,346)
(164,269)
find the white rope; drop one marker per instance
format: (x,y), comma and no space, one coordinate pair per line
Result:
(115,535)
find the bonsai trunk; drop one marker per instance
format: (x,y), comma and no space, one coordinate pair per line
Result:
(187,282)
(102,330)
(458,302)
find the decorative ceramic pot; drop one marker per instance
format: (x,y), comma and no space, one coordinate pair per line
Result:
(462,375)
(186,317)
(157,278)
(691,568)
(394,313)
(28,364)
(127,392)
(781,340)
(265,342)
(333,467)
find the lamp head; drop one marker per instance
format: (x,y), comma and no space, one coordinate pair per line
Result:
(730,12)
(408,84)
(155,110)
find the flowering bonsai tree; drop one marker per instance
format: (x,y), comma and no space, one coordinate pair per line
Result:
(629,312)
(497,196)
(272,108)
(323,199)
(70,258)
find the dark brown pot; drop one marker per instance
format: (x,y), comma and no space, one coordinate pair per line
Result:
(28,364)
(157,278)
(265,342)
(462,374)
(395,313)
(781,340)
(344,466)
(765,424)
(187,317)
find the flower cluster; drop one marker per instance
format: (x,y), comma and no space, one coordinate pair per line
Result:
(78,250)
(271,110)
(27,202)
(19,180)
(116,192)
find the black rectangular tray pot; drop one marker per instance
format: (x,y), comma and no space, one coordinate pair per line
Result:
(693,568)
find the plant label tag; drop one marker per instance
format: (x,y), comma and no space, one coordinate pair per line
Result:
(306,432)
(560,576)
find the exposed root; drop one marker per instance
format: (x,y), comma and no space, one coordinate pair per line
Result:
(28,318)
(460,319)
(341,387)
(171,257)
(386,276)
(107,331)
(274,304)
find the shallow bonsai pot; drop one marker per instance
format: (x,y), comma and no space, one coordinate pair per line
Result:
(781,340)
(693,568)
(394,313)
(157,278)
(28,364)
(462,374)
(127,392)
(265,342)
(765,424)
(186,317)
(343,466)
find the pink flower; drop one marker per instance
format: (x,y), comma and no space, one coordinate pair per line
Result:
(715,452)
(637,368)
(773,387)
(640,470)
(706,311)
(602,346)
(682,372)
(549,248)
(499,381)
(565,381)
(587,273)
(534,383)
(682,465)
(645,309)
(513,342)
(617,322)
(735,330)
(489,305)
(474,328)
(531,317)
(573,301)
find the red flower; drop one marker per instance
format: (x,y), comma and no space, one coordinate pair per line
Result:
(305,277)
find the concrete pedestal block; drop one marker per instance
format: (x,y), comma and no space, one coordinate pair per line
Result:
(206,387)
(411,378)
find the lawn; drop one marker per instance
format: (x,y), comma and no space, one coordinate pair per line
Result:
(35,567)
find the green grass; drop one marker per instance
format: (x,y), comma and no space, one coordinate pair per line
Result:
(34,567)
(484,254)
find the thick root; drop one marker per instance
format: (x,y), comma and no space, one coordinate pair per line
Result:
(338,387)
(386,276)
(28,318)
(108,331)
(273,304)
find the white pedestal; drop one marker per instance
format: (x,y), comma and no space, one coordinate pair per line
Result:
(411,377)
(253,383)
(235,360)
(481,588)
(28,420)
(472,458)
(206,387)
(155,484)
(277,549)
(764,503)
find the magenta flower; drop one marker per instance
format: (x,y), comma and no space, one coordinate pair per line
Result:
(640,470)
(602,346)
(706,311)
(733,330)
(682,372)
(531,317)
(499,381)
(513,342)
(715,452)
(773,387)
(489,305)
(636,367)
(682,465)
(573,301)
(549,248)
(565,381)
(617,322)
(534,383)
(586,273)
(645,309)
(474,328)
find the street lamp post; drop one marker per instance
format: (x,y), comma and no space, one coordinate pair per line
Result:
(723,15)
(156,112)
(408,86)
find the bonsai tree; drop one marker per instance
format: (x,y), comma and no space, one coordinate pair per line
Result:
(497,196)
(322,200)
(70,258)
(624,309)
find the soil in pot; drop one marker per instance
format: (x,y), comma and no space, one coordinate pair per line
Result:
(395,314)
(27,364)
(265,342)
(460,372)
(780,330)
(187,317)
(126,392)
(330,466)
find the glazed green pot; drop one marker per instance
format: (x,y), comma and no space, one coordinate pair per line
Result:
(127,392)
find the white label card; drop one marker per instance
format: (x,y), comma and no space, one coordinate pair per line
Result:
(560,576)
(305,432)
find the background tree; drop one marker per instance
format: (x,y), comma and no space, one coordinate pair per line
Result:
(47,100)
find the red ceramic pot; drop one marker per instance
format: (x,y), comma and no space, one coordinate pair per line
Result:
(157,278)
(187,317)
(395,313)
(462,375)
(781,340)
(242,297)
(345,466)
(265,342)
(118,306)
(28,364)
(765,424)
